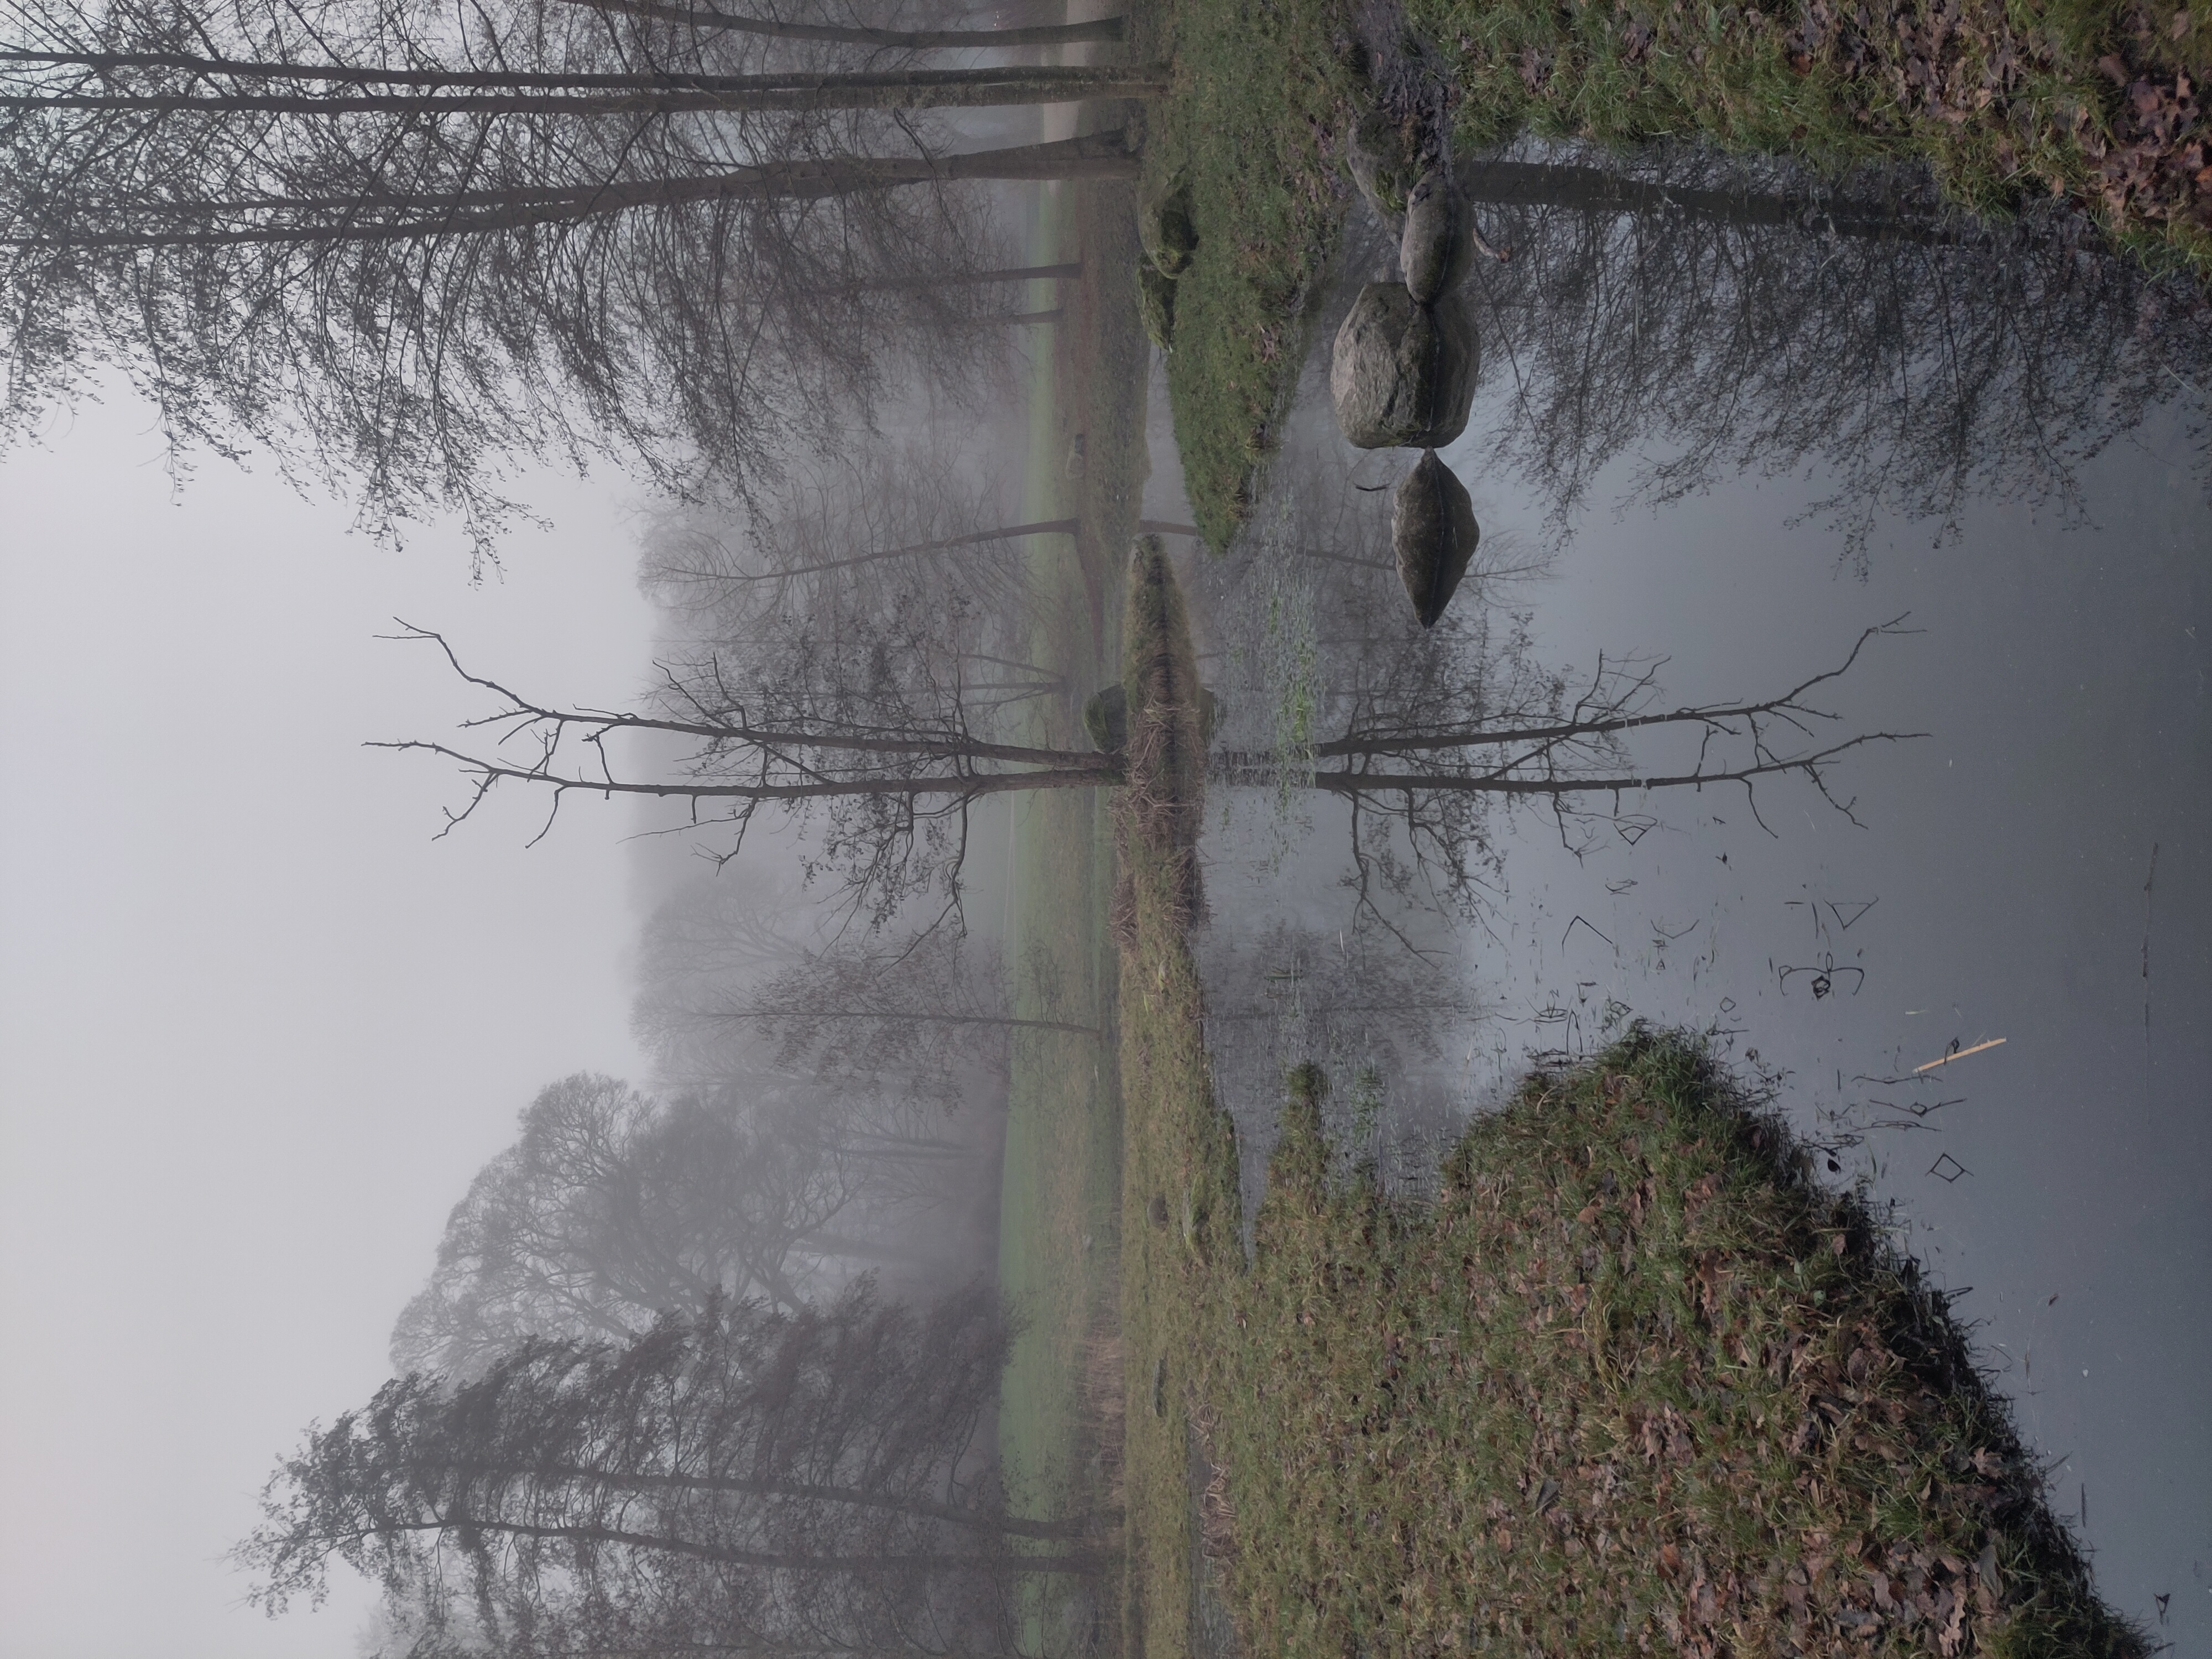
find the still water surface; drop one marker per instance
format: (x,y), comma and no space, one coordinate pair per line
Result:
(2036,868)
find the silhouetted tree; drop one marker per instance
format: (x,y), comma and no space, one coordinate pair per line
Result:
(774,1478)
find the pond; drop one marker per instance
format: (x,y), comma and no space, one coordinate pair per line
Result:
(1973,959)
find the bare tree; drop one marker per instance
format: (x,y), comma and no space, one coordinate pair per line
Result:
(863,717)
(1427,741)
(417,260)
(914,1018)
(780,1478)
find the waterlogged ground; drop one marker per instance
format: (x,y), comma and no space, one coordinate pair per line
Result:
(1723,483)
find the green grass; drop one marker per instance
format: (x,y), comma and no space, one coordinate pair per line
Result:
(1060,1196)
(1633,1381)
(2005,99)
(1259,91)
(1180,1243)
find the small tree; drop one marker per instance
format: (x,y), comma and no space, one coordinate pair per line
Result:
(882,741)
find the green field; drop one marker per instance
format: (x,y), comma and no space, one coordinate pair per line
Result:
(1061,1200)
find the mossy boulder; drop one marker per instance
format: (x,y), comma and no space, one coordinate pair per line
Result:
(1434,534)
(1401,374)
(1165,229)
(1156,303)
(1384,158)
(1437,243)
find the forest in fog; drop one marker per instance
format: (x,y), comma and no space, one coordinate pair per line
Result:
(1100,480)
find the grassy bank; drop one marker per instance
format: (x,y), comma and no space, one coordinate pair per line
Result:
(1260,90)
(1632,1382)
(2098,102)
(1179,1244)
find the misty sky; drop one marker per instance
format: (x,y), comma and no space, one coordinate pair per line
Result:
(258,1029)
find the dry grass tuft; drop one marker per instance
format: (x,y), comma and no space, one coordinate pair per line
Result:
(1105,1413)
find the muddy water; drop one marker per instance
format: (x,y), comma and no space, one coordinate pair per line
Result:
(2034,873)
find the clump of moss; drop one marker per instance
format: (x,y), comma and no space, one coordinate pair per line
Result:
(1633,1381)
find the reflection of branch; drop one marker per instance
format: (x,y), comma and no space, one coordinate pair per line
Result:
(1384,783)
(1609,721)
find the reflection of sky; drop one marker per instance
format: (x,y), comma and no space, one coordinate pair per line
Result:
(1997,889)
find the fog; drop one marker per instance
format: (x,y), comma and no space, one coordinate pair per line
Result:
(260,1027)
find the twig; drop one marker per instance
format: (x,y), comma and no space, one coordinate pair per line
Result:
(1961,1054)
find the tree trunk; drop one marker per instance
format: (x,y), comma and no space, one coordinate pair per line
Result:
(1007,1525)
(1099,155)
(785,1560)
(503,92)
(966,279)
(909,1019)
(1594,189)
(966,787)
(1004,533)
(1047,35)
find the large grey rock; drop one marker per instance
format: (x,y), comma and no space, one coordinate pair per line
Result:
(1165,229)
(1385,161)
(1106,719)
(1401,374)
(1433,532)
(1437,244)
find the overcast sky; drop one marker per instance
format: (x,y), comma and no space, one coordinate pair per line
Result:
(257,1028)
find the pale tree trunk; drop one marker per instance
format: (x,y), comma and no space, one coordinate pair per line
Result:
(494,92)
(1046,34)
(920,1507)
(1006,1021)
(976,538)
(969,278)
(476,212)
(786,1560)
